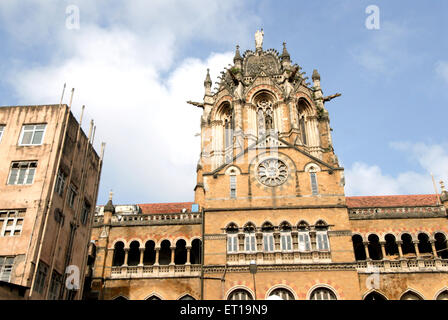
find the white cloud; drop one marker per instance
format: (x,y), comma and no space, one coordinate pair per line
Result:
(365,179)
(135,90)
(442,69)
(383,50)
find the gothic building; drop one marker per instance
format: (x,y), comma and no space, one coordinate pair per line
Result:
(270,217)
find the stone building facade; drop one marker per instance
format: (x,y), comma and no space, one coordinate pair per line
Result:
(270,218)
(49,173)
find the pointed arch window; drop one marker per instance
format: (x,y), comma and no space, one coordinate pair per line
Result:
(322,236)
(250,244)
(304,236)
(268,237)
(232,238)
(285,237)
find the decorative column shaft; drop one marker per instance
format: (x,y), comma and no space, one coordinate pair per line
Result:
(173,250)
(400,250)
(433,246)
(383,249)
(142,253)
(417,251)
(156,263)
(366,249)
(126,254)
(188,255)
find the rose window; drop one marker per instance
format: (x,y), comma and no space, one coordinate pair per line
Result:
(272,172)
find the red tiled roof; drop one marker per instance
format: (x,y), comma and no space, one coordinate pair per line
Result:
(173,207)
(392,201)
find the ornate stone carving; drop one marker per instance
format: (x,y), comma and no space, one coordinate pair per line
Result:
(272,172)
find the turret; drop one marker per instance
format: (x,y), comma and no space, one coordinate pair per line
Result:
(237,59)
(109,210)
(285,57)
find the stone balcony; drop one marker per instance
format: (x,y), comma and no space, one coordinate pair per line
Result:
(396,212)
(154,271)
(282,257)
(402,265)
(151,219)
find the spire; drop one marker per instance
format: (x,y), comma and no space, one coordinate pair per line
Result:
(285,53)
(316,75)
(237,55)
(208,83)
(109,207)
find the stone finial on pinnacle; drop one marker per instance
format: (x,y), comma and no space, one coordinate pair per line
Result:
(285,53)
(109,207)
(316,75)
(444,193)
(237,56)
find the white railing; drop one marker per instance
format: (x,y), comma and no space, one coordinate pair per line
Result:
(278,257)
(403,265)
(153,271)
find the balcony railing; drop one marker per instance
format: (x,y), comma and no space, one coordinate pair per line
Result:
(282,257)
(403,265)
(153,271)
(151,219)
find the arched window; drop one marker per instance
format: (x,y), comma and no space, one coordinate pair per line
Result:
(149,256)
(441,245)
(424,247)
(321,236)
(285,236)
(232,185)
(240,294)
(232,238)
(313,169)
(443,295)
(228,126)
(282,293)
(118,259)
(407,245)
(180,254)
(374,247)
(302,108)
(196,251)
(372,296)
(134,253)
(303,229)
(120,298)
(410,296)
(358,247)
(268,237)
(250,244)
(165,253)
(153,297)
(322,294)
(187,297)
(391,246)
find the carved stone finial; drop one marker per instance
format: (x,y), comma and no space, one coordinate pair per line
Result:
(109,207)
(442,186)
(111,194)
(285,53)
(237,55)
(316,75)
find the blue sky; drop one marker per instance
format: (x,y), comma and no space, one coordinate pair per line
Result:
(134,64)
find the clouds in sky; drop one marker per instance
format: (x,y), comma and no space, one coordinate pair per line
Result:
(365,179)
(129,67)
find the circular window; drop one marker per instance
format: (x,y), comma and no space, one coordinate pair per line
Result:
(272,172)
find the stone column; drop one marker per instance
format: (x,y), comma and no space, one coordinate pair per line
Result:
(188,255)
(400,250)
(433,246)
(142,252)
(173,250)
(417,251)
(126,253)
(383,249)
(366,249)
(156,263)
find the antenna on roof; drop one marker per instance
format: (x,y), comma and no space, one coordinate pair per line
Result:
(435,189)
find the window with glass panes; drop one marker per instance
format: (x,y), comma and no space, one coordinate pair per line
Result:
(22,172)
(249,242)
(6,265)
(55,286)
(268,242)
(286,241)
(233,187)
(313,178)
(32,134)
(40,277)
(304,241)
(322,240)
(232,243)
(71,196)
(11,222)
(60,183)
(85,212)
(322,294)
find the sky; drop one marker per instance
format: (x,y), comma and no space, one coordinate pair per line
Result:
(134,64)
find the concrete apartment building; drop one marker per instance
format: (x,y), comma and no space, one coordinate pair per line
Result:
(270,217)
(49,177)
